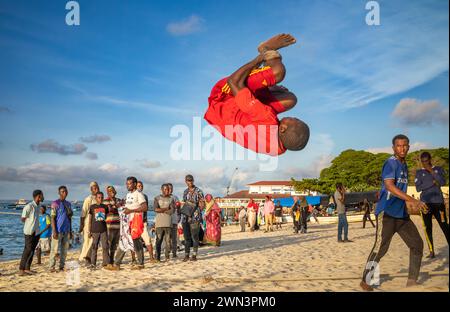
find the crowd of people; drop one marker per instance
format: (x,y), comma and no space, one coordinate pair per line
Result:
(120,226)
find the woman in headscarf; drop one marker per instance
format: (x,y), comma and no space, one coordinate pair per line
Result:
(212,214)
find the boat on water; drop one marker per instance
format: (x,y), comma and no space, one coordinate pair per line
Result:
(18,205)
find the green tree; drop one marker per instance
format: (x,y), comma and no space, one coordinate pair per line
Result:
(360,171)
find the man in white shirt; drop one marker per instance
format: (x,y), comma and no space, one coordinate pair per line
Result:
(135,204)
(30,218)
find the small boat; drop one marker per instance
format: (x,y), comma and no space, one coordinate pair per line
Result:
(18,205)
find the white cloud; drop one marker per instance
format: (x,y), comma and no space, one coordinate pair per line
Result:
(91,156)
(413,112)
(149,164)
(95,139)
(212,180)
(51,146)
(187,26)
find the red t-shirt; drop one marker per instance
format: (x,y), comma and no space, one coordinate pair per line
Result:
(244,119)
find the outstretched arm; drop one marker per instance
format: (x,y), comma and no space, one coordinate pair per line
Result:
(236,81)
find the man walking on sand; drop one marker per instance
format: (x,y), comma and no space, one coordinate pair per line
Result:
(393,217)
(85,221)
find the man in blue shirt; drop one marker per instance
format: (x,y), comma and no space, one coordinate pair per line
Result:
(428,181)
(61,219)
(392,216)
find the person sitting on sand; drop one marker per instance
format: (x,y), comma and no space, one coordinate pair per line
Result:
(244,106)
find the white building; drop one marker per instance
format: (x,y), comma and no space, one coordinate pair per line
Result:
(258,191)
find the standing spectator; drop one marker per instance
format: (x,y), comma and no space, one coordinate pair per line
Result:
(278,215)
(112,221)
(212,215)
(315,213)
(367,211)
(251,211)
(191,217)
(99,232)
(304,208)
(164,207)
(85,221)
(269,209)
(45,228)
(30,218)
(339,197)
(61,219)
(145,236)
(428,181)
(135,205)
(295,211)
(175,220)
(242,217)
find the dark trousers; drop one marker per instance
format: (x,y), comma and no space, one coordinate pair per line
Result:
(367,217)
(98,238)
(435,210)
(31,241)
(163,233)
(113,240)
(174,241)
(139,250)
(386,227)
(304,223)
(191,233)
(296,226)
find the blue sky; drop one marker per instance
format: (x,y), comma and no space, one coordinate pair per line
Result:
(134,69)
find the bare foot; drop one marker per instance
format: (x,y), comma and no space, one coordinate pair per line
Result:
(366,286)
(411,283)
(276,42)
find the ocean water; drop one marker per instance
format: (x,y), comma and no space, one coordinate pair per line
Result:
(11,230)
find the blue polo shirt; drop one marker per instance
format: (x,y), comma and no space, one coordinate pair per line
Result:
(393,206)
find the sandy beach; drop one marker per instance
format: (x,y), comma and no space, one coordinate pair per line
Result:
(279,261)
